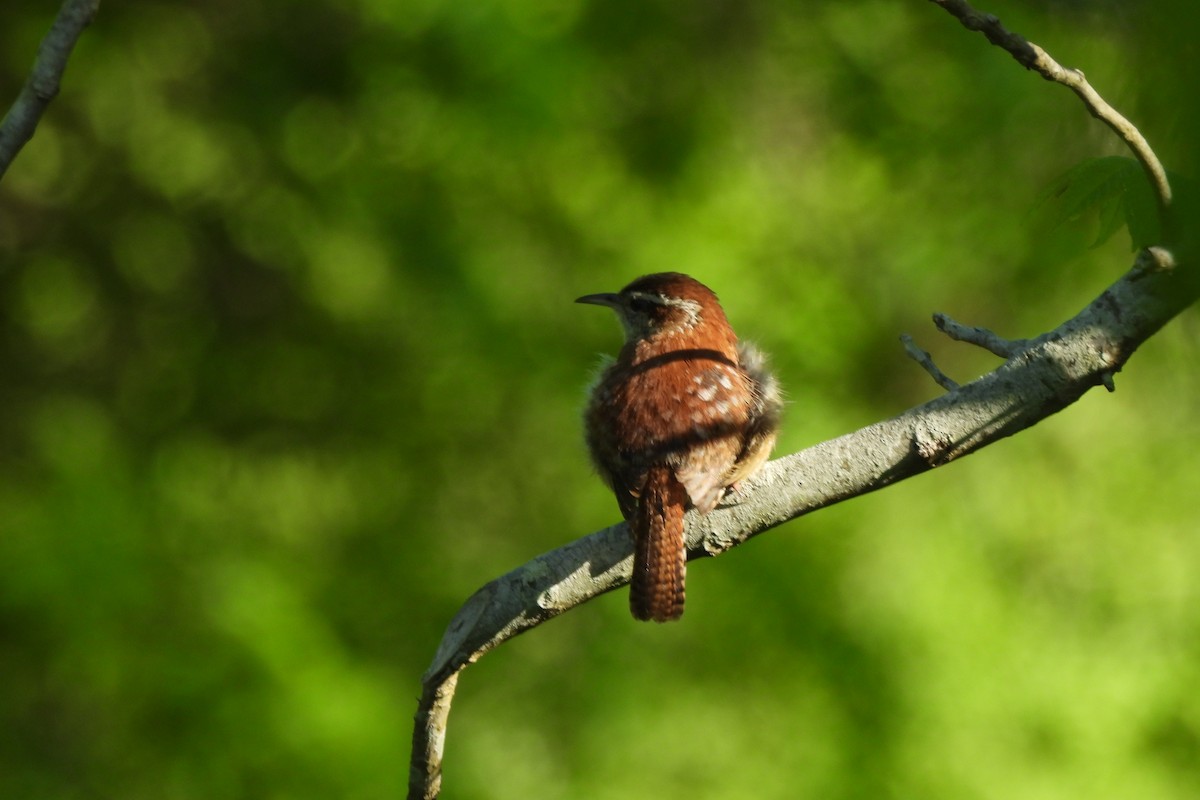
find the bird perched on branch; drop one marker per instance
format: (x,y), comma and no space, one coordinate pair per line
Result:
(683,413)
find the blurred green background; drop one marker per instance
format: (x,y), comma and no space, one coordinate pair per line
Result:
(289,367)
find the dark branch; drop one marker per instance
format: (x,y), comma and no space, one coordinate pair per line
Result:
(42,86)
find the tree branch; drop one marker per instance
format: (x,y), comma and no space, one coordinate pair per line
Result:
(980,337)
(44,78)
(1030,56)
(923,358)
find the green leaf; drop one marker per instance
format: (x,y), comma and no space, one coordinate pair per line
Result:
(1141,213)
(1114,189)
(1111,218)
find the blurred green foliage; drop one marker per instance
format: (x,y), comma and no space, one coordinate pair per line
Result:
(289,367)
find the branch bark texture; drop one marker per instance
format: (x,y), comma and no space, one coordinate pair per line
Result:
(44,79)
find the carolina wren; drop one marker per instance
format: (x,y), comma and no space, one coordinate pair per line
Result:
(683,413)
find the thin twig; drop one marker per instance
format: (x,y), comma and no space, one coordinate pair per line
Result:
(1033,57)
(923,358)
(44,78)
(980,337)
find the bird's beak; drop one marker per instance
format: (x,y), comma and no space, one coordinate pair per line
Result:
(606,299)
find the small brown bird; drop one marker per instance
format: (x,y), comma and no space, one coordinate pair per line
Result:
(684,413)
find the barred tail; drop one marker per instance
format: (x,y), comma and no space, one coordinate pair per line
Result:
(659,555)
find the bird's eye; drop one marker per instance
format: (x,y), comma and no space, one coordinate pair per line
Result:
(641,305)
